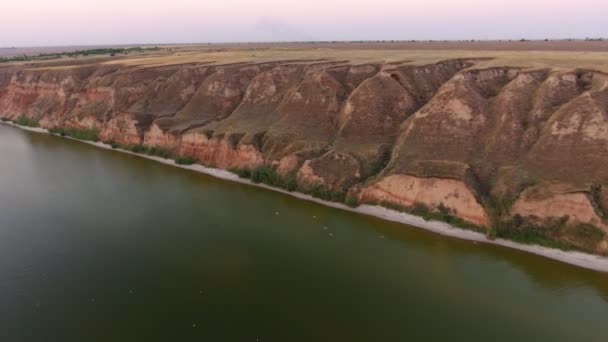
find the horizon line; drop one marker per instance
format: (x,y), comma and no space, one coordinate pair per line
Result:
(586,39)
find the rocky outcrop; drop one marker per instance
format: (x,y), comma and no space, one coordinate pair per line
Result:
(484,145)
(406,191)
(558,201)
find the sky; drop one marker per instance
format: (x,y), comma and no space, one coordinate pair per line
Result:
(88,22)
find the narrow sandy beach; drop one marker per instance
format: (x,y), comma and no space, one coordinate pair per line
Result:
(584,260)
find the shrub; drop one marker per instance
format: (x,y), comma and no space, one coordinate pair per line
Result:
(151,151)
(352,202)
(442,213)
(28,122)
(290,183)
(185,160)
(324,193)
(243,173)
(5,119)
(138,149)
(269,176)
(112,144)
(517,229)
(159,152)
(77,133)
(266,175)
(551,232)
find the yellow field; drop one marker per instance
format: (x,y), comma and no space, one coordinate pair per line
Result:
(524,59)
(563,55)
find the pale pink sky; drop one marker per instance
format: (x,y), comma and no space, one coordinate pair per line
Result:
(65,22)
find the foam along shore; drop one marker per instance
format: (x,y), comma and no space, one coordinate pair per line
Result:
(580,259)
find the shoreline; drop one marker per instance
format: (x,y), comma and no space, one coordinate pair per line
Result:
(575,258)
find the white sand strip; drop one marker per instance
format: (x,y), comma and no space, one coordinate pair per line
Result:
(585,260)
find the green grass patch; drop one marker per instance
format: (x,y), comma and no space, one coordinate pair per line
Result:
(185,160)
(265,174)
(151,151)
(517,229)
(77,133)
(324,193)
(290,183)
(243,173)
(441,213)
(552,232)
(112,144)
(28,122)
(351,202)
(269,176)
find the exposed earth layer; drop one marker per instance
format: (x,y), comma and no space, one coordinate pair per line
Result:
(513,144)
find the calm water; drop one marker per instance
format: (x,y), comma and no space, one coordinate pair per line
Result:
(100,246)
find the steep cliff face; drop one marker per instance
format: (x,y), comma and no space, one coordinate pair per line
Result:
(488,146)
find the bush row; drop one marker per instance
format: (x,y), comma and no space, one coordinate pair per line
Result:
(77,133)
(154,151)
(442,214)
(267,175)
(185,160)
(28,122)
(151,151)
(552,232)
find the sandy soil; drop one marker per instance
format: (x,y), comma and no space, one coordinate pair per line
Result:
(584,260)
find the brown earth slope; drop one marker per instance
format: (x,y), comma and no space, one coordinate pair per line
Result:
(519,152)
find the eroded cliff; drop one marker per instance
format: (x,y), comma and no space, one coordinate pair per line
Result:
(520,153)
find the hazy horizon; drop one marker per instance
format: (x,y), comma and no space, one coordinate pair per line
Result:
(71,22)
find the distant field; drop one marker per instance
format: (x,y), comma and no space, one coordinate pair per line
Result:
(527,54)
(536,45)
(30,51)
(525,59)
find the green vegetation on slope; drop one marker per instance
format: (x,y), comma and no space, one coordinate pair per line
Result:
(554,233)
(442,214)
(77,133)
(324,193)
(155,152)
(151,151)
(185,160)
(267,175)
(28,122)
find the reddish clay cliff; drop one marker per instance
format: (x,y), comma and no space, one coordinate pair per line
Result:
(505,149)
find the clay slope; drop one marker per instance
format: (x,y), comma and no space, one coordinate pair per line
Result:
(519,153)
